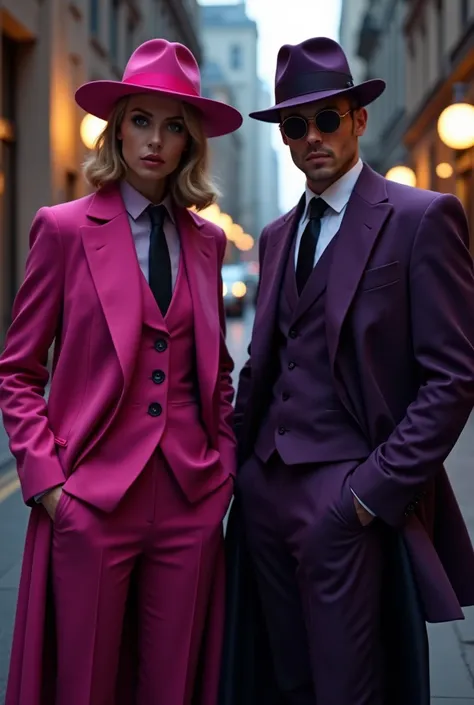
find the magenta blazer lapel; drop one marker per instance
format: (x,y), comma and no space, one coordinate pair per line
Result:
(111,255)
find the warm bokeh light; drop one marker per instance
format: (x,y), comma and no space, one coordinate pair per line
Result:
(402,175)
(456,126)
(234,232)
(91,127)
(239,289)
(245,242)
(444,170)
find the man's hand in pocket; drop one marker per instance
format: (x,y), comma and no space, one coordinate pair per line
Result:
(365,517)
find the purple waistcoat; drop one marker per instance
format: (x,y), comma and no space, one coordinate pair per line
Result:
(161,408)
(306,422)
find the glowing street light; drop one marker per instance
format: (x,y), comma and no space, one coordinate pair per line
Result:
(402,175)
(456,126)
(91,128)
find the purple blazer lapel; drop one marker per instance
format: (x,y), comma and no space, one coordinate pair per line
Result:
(276,257)
(366,214)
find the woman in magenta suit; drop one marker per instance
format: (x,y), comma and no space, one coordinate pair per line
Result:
(128,467)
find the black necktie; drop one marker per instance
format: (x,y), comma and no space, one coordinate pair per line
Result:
(159,263)
(308,243)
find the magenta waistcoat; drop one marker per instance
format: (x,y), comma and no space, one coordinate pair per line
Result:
(161,409)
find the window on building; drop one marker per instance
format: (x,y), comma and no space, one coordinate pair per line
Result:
(114,30)
(433,161)
(155,20)
(236,56)
(8,187)
(71,186)
(441,34)
(94,18)
(130,38)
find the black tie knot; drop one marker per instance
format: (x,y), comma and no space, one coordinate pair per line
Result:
(317,208)
(157,215)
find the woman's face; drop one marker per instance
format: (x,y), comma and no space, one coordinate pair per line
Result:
(153,137)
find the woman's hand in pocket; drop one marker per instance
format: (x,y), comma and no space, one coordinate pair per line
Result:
(51,499)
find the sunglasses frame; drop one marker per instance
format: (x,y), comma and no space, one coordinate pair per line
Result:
(308,120)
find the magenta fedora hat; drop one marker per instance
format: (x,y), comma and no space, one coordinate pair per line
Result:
(314,70)
(165,68)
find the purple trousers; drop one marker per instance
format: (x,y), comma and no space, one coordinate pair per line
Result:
(319,573)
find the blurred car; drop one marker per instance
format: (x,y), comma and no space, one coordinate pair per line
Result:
(234,289)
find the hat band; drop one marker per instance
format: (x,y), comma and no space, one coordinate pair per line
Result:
(305,83)
(162,82)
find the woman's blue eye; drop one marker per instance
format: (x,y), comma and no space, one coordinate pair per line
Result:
(140,120)
(176,127)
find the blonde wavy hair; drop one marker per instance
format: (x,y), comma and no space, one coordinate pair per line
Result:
(190,185)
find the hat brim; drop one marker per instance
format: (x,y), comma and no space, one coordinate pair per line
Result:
(99,98)
(363,94)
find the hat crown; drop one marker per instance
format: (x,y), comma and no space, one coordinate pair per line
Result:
(316,69)
(157,58)
(311,56)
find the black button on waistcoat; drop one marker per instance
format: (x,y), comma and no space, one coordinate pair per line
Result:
(158,376)
(161,345)
(155,409)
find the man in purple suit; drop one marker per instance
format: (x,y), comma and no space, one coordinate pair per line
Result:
(359,382)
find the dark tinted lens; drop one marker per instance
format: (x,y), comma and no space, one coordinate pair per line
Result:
(294,127)
(327,121)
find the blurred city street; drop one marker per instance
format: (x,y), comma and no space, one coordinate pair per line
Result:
(452,645)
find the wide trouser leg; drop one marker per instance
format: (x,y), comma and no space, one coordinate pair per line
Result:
(174,580)
(171,547)
(93,554)
(319,574)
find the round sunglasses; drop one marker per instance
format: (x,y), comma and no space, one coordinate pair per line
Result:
(295,127)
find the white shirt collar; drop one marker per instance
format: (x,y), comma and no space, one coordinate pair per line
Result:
(136,203)
(337,195)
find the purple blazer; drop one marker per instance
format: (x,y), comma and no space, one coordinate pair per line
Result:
(400,335)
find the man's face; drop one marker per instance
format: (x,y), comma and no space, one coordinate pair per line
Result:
(322,156)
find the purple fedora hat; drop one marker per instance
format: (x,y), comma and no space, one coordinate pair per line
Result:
(313,70)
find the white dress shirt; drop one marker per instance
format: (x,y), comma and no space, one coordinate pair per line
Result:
(337,197)
(140,225)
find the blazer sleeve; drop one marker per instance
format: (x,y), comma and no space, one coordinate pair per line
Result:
(441,280)
(37,312)
(227,443)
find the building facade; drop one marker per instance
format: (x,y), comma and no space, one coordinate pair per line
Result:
(230,43)
(225,151)
(47,50)
(352,12)
(377,49)
(439,37)
(267,164)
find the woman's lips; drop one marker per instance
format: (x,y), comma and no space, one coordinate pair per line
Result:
(153,160)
